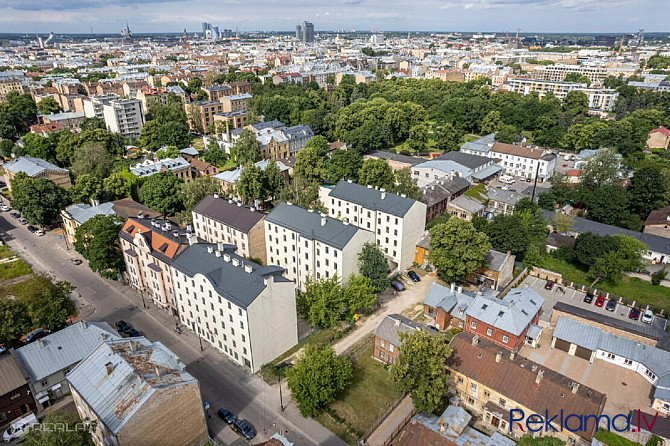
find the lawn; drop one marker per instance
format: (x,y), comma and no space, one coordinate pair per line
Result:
(631,288)
(612,439)
(478,193)
(367,398)
(5,252)
(12,270)
(197,143)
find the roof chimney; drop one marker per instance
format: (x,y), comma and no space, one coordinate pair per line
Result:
(460,289)
(252,209)
(453,287)
(540,374)
(217,253)
(140,378)
(40,342)
(226,257)
(475,340)
(369,186)
(210,249)
(236,262)
(109,367)
(219,245)
(239,204)
(216,195)
(498,356)
(230,200)
(103,336)
(248,268)
(131,344)
(574,387)
(83,325)
(323,219)
(397,322)
(158,371)
(512,355)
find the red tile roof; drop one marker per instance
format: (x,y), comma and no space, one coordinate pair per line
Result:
(661,130)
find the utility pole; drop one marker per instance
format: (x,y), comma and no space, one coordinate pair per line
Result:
(537,170)
(281,400)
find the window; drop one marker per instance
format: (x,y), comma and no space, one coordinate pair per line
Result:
(489,332)
(381,343)
(473,325)
(627,362)
(460,380)
(505,339)
(610,356)
(486,394)
(473,387)
(391,347)
(502,402)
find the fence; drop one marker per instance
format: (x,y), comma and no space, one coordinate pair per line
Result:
(515,282)
(383,418)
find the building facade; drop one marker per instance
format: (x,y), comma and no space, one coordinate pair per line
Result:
(36,168)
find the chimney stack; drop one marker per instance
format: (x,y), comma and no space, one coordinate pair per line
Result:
(512,355)
(498,356)
(82,324)
(453,287)
(217,253)
(219,245)
(323,219)
(158,371)
(475,340)
(109,367)
(40,342)
(540,374)
(216,195)
(574,387)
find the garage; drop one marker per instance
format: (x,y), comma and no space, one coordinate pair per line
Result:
(583,353)
(562,345)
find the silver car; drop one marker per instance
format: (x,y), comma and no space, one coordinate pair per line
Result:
(647,317)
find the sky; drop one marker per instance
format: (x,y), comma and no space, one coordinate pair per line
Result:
(110,16)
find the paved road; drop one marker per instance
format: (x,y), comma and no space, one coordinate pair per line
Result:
(223,383)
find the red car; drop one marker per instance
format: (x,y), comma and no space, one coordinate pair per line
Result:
(634,313)
(600,301)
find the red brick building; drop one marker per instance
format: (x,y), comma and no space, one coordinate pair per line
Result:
(387,337)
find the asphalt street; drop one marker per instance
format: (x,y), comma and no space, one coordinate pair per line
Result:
(223,384)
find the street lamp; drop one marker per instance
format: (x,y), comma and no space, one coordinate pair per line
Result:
(142,296)
(199,339)
(281,400)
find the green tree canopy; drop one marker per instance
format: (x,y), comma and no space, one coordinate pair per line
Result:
(317,378)
(14,321)
(116,186)
(161,193)
(48,301)
(600,168)
(92,158)
(359,293)
(191,193)
(87,187)
(377,173)
(343,165)
(302,192)
(310,163)
(421,368)
(59,437)
(97,240)
(38,199)
(404,184)
(246,149)
(457,248)
(251,184)
(48,106)
(373,265)
(608,204)
(322,303)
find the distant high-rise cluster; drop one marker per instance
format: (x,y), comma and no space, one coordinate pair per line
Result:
(305,32)
(211,32)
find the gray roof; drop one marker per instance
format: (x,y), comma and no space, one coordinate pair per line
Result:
(115,396)
(63,349)
(593,338)
(513,313)
(468,204)
(482,144)
(231,282)
(439,191)
(581,225)
(503,196)
(371,198)
(31,166)
(648,331)
(274,124)
(12,376)
(310,225)
(440,297)
(495,260)
(146,170)
(190,151)
(395,157)
(392,325)
(229,213)
(486,172)
(298,132)
(81,213)
(466,159)
(446,166)
(231,176)
(534,331)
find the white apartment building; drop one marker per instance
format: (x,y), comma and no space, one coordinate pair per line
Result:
(308,244)
(523,161)
(396,221)
(124,116)
(244,310)
(94,106)
(431,171)
(598,98)
(224,220)
(558,72)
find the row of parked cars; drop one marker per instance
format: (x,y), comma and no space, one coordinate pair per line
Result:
(127,330)
(35,230)
(243,427)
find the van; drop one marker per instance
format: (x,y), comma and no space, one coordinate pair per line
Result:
(508,179)
(20,427)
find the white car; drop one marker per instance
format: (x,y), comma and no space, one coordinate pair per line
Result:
(20,427)
(39,233)
(5,208)
(647,316)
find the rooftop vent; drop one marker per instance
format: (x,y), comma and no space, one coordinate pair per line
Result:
(109,367)
(236,262)
(226,257)
(216,195)
(540,374)
(217,253)
(210,249)
(248,269)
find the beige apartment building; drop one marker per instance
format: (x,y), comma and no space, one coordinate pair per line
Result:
(36,168)
(10,85)
(217,219)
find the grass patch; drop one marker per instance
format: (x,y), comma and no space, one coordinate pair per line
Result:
(367,398)
(478,193)
(229,165)
(198,144)
(5,252)
(631,288)
(12,270)
(21,289)
(612,439)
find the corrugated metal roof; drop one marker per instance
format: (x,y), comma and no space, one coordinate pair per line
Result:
(82,213)
(511,314)
(31,166)
(229,213)
(392,325)
(63,349)
(309,225)
(647,331)
(12,376)
(116,395)
(371,198)
(467,204)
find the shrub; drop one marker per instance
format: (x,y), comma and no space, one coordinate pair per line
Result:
(658,277)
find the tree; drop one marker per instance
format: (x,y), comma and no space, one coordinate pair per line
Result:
(589,247)
(193,192)
(246,148)
(576,77)
(405,184)
(658,277)
(92,158)
(92,124)
(320,143)
(608,267)
(273,179)
(304,193)
(377,173)
(38,147)
(6,147)
(87,187)
(251,184)
(507,134)
(169,126)
(547,200)
(576,102)
(14,321)
(161,192)
(322,303)
(418,137)
(373,265)
(629,250)
(359,293)
(167,152)
(310,164)
(343,165)
(195,119)
(601,168)
(563,222)
(60,437)
(47,301)
(508,233)
(38,199)
(48,106)
(97,240)
(214,154)
(608,204)
(116,186)
(447,138)
(457,248)
(492,122)
(421,368)
(317,378)
(648,190)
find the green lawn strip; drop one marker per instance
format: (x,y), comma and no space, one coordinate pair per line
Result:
(612,439)
(12,270)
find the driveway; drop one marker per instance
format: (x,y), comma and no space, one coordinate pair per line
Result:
(414,293)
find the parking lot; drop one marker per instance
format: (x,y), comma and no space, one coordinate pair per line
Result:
(576,298)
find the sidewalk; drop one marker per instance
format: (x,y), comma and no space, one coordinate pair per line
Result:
(393,423)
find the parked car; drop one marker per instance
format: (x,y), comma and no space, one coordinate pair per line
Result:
(528,180)
(75,261)
(398,286)
(588,298)
(647,316)
(132,333)
(432,328)
(20,427)
(23,221)
(5,208)
(634,313)
(123,326)
(226,416)
(244,428)
(34,335)
(15,215)
(3,184)
(32,228)
(3,349)
(611,305)
(549,285)
(414,276)
(39,233)
(600,301)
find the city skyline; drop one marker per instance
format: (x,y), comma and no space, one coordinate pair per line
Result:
(149,16)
